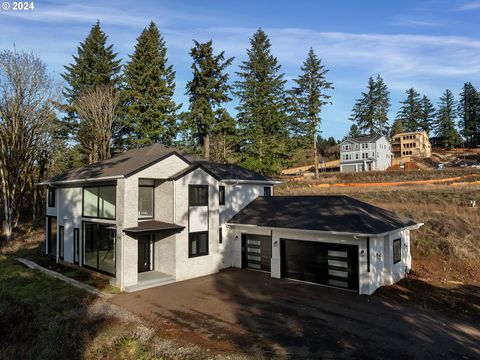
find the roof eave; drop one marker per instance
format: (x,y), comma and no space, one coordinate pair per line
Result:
(411,227)
(75,181)
(243,181)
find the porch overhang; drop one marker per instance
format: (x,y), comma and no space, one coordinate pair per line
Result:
(153,226)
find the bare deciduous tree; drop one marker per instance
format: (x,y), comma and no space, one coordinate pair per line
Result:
(27,95)
(97,109)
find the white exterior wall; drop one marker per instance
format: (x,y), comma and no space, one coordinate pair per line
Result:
(69,216)
(187,268)
(163,169)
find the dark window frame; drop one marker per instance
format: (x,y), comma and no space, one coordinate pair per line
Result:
(267,191)
(221,195)
(197,254)
(397,257)
(97,269)
(76,245)
(98,203)
(49,233)
(220,235)
(61,241)
(191,201)
(153,203)
(51,197)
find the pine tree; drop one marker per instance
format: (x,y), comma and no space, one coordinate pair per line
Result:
(353,132)
(94,65)
(207,91)
(149,114)
(397,128)
(224,135)
(469,114)
(445,121)
(309,97)
(262,112)
(427,115)
(370,112)
(411,110)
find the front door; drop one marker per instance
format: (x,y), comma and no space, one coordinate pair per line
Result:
(144,242)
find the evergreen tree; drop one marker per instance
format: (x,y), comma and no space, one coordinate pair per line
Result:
(427,115)
(354,132)
(149,114)
(309,97)
(224,135)
(397,128)
(207,91)
(262,112)
(94,65)
(370,112)
(469,114)
(445,121)
(411,110)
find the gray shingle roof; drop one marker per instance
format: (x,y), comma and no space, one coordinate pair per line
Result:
(134,160)
(329,213)
(366,138)
(124,164)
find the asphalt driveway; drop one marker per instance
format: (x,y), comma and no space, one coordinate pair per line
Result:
(249,312)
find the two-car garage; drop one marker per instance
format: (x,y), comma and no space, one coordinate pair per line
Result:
(322,263)
(330,240)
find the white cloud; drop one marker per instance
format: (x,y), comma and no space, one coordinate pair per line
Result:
(475,5)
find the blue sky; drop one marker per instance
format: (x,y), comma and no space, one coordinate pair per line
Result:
(430,45)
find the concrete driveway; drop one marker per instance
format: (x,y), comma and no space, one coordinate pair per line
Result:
(249,312)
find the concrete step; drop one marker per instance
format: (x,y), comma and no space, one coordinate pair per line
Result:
(147,284)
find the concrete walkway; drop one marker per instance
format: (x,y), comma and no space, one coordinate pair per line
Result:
(56,275)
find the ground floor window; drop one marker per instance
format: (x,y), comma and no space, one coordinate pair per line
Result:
(61,241)
(397,251)
(198,244)
(99,247)
(52,235)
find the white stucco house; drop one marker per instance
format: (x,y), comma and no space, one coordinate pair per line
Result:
(365,153)
(153,216)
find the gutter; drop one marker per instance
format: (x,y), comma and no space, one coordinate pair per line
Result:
(74,181)
(411,227)
(233,181)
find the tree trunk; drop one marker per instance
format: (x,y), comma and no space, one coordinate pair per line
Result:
(315,152)
(206,145)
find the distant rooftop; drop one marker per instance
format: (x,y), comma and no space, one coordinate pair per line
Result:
(366,138)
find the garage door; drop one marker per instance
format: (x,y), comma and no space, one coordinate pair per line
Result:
(322,263)
(257,252)
(349,168)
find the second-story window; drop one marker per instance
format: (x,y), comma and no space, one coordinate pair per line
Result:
(221,195)
(267,191)
(145,202)
(99,201)
(198,195)
(51,197)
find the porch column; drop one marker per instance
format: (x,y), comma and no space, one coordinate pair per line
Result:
(275,264)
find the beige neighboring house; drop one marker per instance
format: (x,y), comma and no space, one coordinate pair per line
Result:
(410,144)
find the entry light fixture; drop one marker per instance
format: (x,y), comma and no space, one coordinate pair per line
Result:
(275,243)
(362,253)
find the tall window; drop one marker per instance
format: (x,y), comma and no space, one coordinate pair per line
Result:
(397,250)
(198,195)
(221,195)
(51,197)
(198,244)
(52,235)
(99,247)
(145,202)
(99,201)
(267,191)
(76,245)
(61,241)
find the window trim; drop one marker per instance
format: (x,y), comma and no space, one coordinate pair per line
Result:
(97,269)
(190,200)
(399,259)
(267,189)
(76,234)
(153,203)
(190,255)
(61,242)
(221,195)
(51,197)
(98,203)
